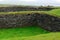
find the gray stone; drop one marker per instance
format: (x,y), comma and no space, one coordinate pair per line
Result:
(44,21)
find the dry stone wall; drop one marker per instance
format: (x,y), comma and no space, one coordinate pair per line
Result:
(13,9)
(44,21)
(18,20)
(48,22)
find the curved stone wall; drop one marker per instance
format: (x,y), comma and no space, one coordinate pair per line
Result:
(49,22)
(44,21)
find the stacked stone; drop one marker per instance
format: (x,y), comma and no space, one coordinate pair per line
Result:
(44,21)
(48,22)
(16,20)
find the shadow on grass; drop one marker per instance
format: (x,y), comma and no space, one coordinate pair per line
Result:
(22,32)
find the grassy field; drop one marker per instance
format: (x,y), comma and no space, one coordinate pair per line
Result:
(30,32)
(21,32)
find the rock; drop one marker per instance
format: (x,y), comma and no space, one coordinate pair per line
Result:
(44,21)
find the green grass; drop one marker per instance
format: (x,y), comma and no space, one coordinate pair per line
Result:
(49,36)
(21,32)
(55,12)
(28,33)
